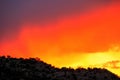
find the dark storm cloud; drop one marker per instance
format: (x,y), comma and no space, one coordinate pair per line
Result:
(10,18)
(16,12)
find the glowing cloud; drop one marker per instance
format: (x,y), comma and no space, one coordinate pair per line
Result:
(79,40)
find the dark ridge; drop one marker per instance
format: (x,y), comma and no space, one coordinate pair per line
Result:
(35,69)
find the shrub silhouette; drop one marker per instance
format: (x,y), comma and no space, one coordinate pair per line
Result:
(35,69)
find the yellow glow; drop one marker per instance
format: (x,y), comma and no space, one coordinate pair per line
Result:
(97,59)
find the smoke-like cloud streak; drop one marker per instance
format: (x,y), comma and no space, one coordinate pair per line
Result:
(16,13)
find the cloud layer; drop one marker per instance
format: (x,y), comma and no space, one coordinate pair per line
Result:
(16,13)
(56,30)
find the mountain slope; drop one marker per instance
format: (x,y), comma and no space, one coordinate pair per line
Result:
(35,69)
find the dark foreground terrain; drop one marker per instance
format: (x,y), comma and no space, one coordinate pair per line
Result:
(35,69)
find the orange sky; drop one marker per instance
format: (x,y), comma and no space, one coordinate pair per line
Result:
(88,39)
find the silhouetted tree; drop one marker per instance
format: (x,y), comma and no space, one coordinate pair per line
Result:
(35,69)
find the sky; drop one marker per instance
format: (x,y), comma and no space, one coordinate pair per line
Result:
(63,33)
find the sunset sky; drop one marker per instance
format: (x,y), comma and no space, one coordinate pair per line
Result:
(66,33)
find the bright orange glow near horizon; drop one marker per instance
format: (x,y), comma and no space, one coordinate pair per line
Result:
(88,39)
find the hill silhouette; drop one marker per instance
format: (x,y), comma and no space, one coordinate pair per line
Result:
(35,69)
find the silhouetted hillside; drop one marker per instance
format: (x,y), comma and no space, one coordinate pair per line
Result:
(34,69)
